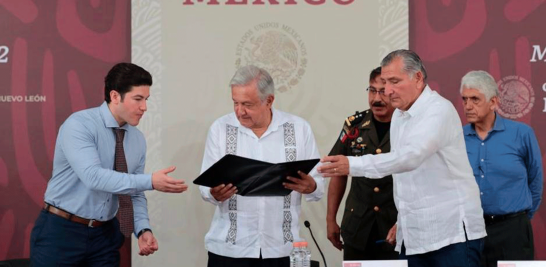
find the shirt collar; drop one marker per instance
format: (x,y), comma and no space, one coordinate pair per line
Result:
(419,105)
(499,123)
(276,121)
(497,126)
(108,119)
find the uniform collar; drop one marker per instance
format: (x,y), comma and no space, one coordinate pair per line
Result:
(367,121)
(369,125)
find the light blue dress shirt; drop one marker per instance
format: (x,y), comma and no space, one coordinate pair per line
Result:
(84,182)
(507,166)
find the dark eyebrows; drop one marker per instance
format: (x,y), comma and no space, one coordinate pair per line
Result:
(140,96)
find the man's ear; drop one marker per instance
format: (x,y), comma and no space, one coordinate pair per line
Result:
(115,97)
(495,102)
(419,78)
(269,100)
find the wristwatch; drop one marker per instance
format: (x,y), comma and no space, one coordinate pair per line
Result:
(143,231)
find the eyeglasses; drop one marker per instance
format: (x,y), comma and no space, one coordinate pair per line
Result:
(375,91)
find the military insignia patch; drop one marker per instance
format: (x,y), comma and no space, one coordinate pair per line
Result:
(342,136)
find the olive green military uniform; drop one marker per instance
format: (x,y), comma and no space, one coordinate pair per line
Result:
(369,211)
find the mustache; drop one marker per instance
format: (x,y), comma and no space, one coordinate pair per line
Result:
(379,104)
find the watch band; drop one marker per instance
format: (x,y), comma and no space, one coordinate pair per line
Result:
(143,231)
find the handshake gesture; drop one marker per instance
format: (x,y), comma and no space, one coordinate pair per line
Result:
(161,181)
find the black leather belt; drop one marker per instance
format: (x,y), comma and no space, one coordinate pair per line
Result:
(492,219)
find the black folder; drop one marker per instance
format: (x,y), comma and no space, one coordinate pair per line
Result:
(254,177)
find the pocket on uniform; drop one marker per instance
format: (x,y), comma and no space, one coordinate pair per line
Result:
(352,219)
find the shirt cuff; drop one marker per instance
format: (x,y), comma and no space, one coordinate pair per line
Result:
(319,190)
(139,226)
(144,182)
(207,196)
(354,166)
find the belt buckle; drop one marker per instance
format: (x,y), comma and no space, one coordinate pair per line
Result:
(90,224)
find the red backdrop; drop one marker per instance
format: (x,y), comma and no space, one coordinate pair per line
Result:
(454,37)
(53,59)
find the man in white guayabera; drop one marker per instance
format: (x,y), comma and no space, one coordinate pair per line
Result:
(440,219)
(257,231)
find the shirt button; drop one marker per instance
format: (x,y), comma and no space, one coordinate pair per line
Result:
(378,151)
(376,208)
(376,189)
(351,210)
(482,176)
(483,144)
(481,193)
(101,217)
(482,160)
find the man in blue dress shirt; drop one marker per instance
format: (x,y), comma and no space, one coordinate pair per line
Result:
(99,158)
(507,165)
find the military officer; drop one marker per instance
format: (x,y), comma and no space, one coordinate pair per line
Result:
(369,211)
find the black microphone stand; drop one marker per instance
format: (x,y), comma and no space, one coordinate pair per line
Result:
(308,225)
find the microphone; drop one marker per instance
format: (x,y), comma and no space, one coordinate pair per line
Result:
(308,225)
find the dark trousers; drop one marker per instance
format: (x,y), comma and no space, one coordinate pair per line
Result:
(373,251)
(465,254)
(55,241)
(510,239)
(221,261)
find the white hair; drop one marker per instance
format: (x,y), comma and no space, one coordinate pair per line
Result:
(481,81)
(250,73)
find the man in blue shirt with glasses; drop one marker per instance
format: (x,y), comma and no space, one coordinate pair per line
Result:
(507,164)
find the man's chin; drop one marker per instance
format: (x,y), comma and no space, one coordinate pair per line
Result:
(245,123)
(379,110)
(396,105)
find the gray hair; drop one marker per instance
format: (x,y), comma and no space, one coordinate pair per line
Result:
(247,74)
(481,81)
(412,62)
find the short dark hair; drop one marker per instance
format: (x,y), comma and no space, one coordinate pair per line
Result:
(375,73)
(122,77)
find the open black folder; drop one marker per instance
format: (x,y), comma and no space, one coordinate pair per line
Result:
(254,177)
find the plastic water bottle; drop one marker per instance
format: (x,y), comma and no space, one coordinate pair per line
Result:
(296,255)
(306,255)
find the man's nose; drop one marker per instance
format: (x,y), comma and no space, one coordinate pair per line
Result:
(240,110)
(388,90)
(467,105)
(144,106)
(377,96)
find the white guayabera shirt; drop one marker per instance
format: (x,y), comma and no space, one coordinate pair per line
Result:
(434,188)
(242,227)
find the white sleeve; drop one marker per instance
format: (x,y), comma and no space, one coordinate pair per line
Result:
(311,152)
(424,137)
(211,156)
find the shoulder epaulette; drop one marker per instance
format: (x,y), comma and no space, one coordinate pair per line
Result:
(354,119)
